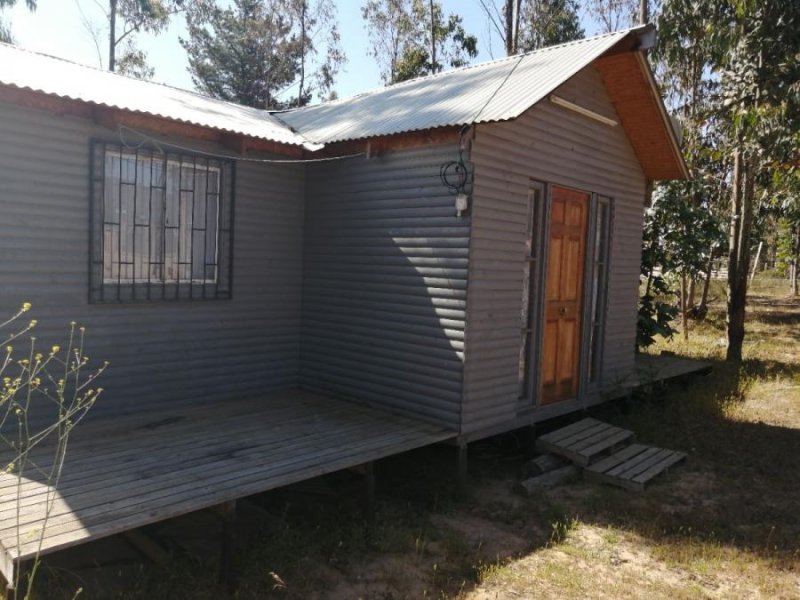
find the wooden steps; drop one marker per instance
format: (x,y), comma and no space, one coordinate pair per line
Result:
(585,441)
(633,467)
(607,453)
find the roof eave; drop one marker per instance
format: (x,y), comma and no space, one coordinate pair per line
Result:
(665,118)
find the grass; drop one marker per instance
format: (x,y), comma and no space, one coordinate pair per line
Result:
(725,524)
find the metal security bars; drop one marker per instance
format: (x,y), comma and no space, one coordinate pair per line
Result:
(161,225)
(532,289)
(601,237)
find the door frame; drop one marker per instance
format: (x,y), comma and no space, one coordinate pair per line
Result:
(534,282)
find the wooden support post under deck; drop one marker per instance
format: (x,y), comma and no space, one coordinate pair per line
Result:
(226,572)
(463,472)
(21,571)
(369,492)
(148,547)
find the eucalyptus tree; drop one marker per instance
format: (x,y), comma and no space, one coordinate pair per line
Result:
(760,99)
(321,54)
(254,51)
(613,15)
(683,57)
(525,25)
(126,18)
(733,72)
(546,23)
(411,38)
(5,28)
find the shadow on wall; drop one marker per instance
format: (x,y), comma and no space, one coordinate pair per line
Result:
(385,278)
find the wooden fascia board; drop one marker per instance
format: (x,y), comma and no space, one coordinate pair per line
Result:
(634,93)
(112,118)
(666,121)
(375,146)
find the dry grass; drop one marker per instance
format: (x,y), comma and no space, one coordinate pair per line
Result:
(724,525)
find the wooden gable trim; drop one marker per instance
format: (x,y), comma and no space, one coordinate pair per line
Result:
(111,118)
(642,115)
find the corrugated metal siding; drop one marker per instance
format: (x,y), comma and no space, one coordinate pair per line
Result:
(555,145)
(159,352)
(385,283)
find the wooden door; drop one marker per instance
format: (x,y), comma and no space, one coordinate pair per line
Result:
(564,294)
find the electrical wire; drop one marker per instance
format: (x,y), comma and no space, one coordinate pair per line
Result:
(147,139)
(455,174)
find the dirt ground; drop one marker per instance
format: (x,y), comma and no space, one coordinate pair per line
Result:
(725,524)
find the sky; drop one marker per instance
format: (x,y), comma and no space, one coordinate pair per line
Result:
(58,28)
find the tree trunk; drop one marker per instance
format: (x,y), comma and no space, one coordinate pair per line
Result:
(433,41)
(707,282)
(795,257)
(112,34)
(692,291)
(684,308)
(509,15)
(739,254)
(303,38)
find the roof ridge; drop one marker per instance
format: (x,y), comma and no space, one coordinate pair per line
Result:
(440,74)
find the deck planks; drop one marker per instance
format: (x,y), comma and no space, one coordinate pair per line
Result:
(123,475)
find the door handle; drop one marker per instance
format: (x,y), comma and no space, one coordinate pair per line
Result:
(562,311)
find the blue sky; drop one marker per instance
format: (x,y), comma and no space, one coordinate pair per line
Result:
(57,28)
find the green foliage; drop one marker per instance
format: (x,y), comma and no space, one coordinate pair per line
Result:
(6,36)
(547,23)
(413,38)
(655,312)
(680,234)
(129,17)
(44,394)
(255,50)
(133,63)
(5,33)
(613,15)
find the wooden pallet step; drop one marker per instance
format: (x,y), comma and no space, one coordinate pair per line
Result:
(633,467)
(585,442)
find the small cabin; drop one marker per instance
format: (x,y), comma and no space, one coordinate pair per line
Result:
(458,253)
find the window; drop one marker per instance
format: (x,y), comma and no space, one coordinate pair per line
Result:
(161,225)
(531,289)
(599,285)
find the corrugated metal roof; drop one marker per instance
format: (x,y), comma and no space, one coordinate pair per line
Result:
(494,91)
(65,79)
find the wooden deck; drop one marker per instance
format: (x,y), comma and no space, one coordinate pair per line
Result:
(126,473)
(666,367)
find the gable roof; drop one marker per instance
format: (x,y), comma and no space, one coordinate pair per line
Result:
(495,91)
(499,90)
(58,77)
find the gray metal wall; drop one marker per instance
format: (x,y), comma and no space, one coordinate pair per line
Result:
(550,144)
(385,283)
(160,352)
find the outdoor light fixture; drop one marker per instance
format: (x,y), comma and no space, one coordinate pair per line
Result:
(582,111)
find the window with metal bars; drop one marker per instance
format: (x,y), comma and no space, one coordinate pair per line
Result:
(161,225)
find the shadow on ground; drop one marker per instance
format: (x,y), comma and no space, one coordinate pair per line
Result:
(737,491)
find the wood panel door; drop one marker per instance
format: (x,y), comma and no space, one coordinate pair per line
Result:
(569,212)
